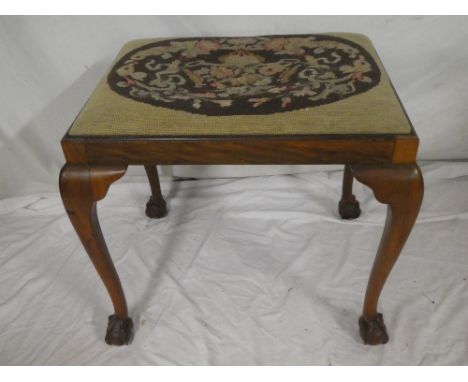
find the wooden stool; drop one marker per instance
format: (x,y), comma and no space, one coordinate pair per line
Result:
(298,99)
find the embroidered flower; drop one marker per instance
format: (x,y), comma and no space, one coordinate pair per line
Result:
(207,45)
(258,101)
(129,81)
(140,76)
(245,79)
(285,101)
(271,69)
(275,44)
(196,79)
(218,85)
(224,102)
(357,70)
(277,89)
(311,60)
(221,72)
(304,92)
(241,58)
(197,103)
(295,46)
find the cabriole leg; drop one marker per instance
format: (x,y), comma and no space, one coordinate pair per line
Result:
(81,186)
(156,207)
(401,188)
(348,206)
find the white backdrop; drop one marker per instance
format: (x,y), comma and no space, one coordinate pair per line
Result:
(246,271)
(50,65)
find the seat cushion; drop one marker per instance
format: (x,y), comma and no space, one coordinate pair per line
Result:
(266,85)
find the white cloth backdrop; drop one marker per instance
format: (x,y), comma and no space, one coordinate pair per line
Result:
(249,271)
(50,65)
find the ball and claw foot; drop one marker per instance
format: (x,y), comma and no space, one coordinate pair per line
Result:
(349,209)
(156,209)
(373,332)
(119,331)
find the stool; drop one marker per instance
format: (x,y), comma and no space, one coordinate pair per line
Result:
(294,99)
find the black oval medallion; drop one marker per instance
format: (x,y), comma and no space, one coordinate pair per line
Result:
(245,75)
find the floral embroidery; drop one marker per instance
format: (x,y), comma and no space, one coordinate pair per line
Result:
(245,75)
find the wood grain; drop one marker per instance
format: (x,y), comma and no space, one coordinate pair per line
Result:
(314,149)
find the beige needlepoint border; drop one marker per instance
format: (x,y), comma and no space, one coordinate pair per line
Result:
(376,111)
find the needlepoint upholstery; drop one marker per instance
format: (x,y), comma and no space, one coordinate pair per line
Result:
(266,85)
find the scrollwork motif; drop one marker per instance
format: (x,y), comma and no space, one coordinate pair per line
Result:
(258,75)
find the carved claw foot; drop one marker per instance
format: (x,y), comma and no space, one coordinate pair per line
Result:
(119,331)
(373,332)
(156,209)
(349,209)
